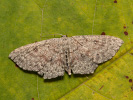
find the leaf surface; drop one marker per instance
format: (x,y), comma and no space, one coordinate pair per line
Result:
(27,21)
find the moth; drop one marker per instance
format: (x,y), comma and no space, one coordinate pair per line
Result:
(77,54)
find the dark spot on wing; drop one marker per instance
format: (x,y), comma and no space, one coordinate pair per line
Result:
(35,49)
(95,41)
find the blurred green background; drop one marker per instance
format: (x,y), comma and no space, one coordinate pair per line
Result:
(26,21)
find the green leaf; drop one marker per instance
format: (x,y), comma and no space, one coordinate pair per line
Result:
(26,21)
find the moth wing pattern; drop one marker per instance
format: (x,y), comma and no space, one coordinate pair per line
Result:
(90,50)
(81,54)
(44,57)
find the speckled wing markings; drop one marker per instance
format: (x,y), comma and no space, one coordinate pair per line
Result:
(81,54)
(91,51)
(44,57)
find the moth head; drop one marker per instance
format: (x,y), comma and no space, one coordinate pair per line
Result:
(64,36)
